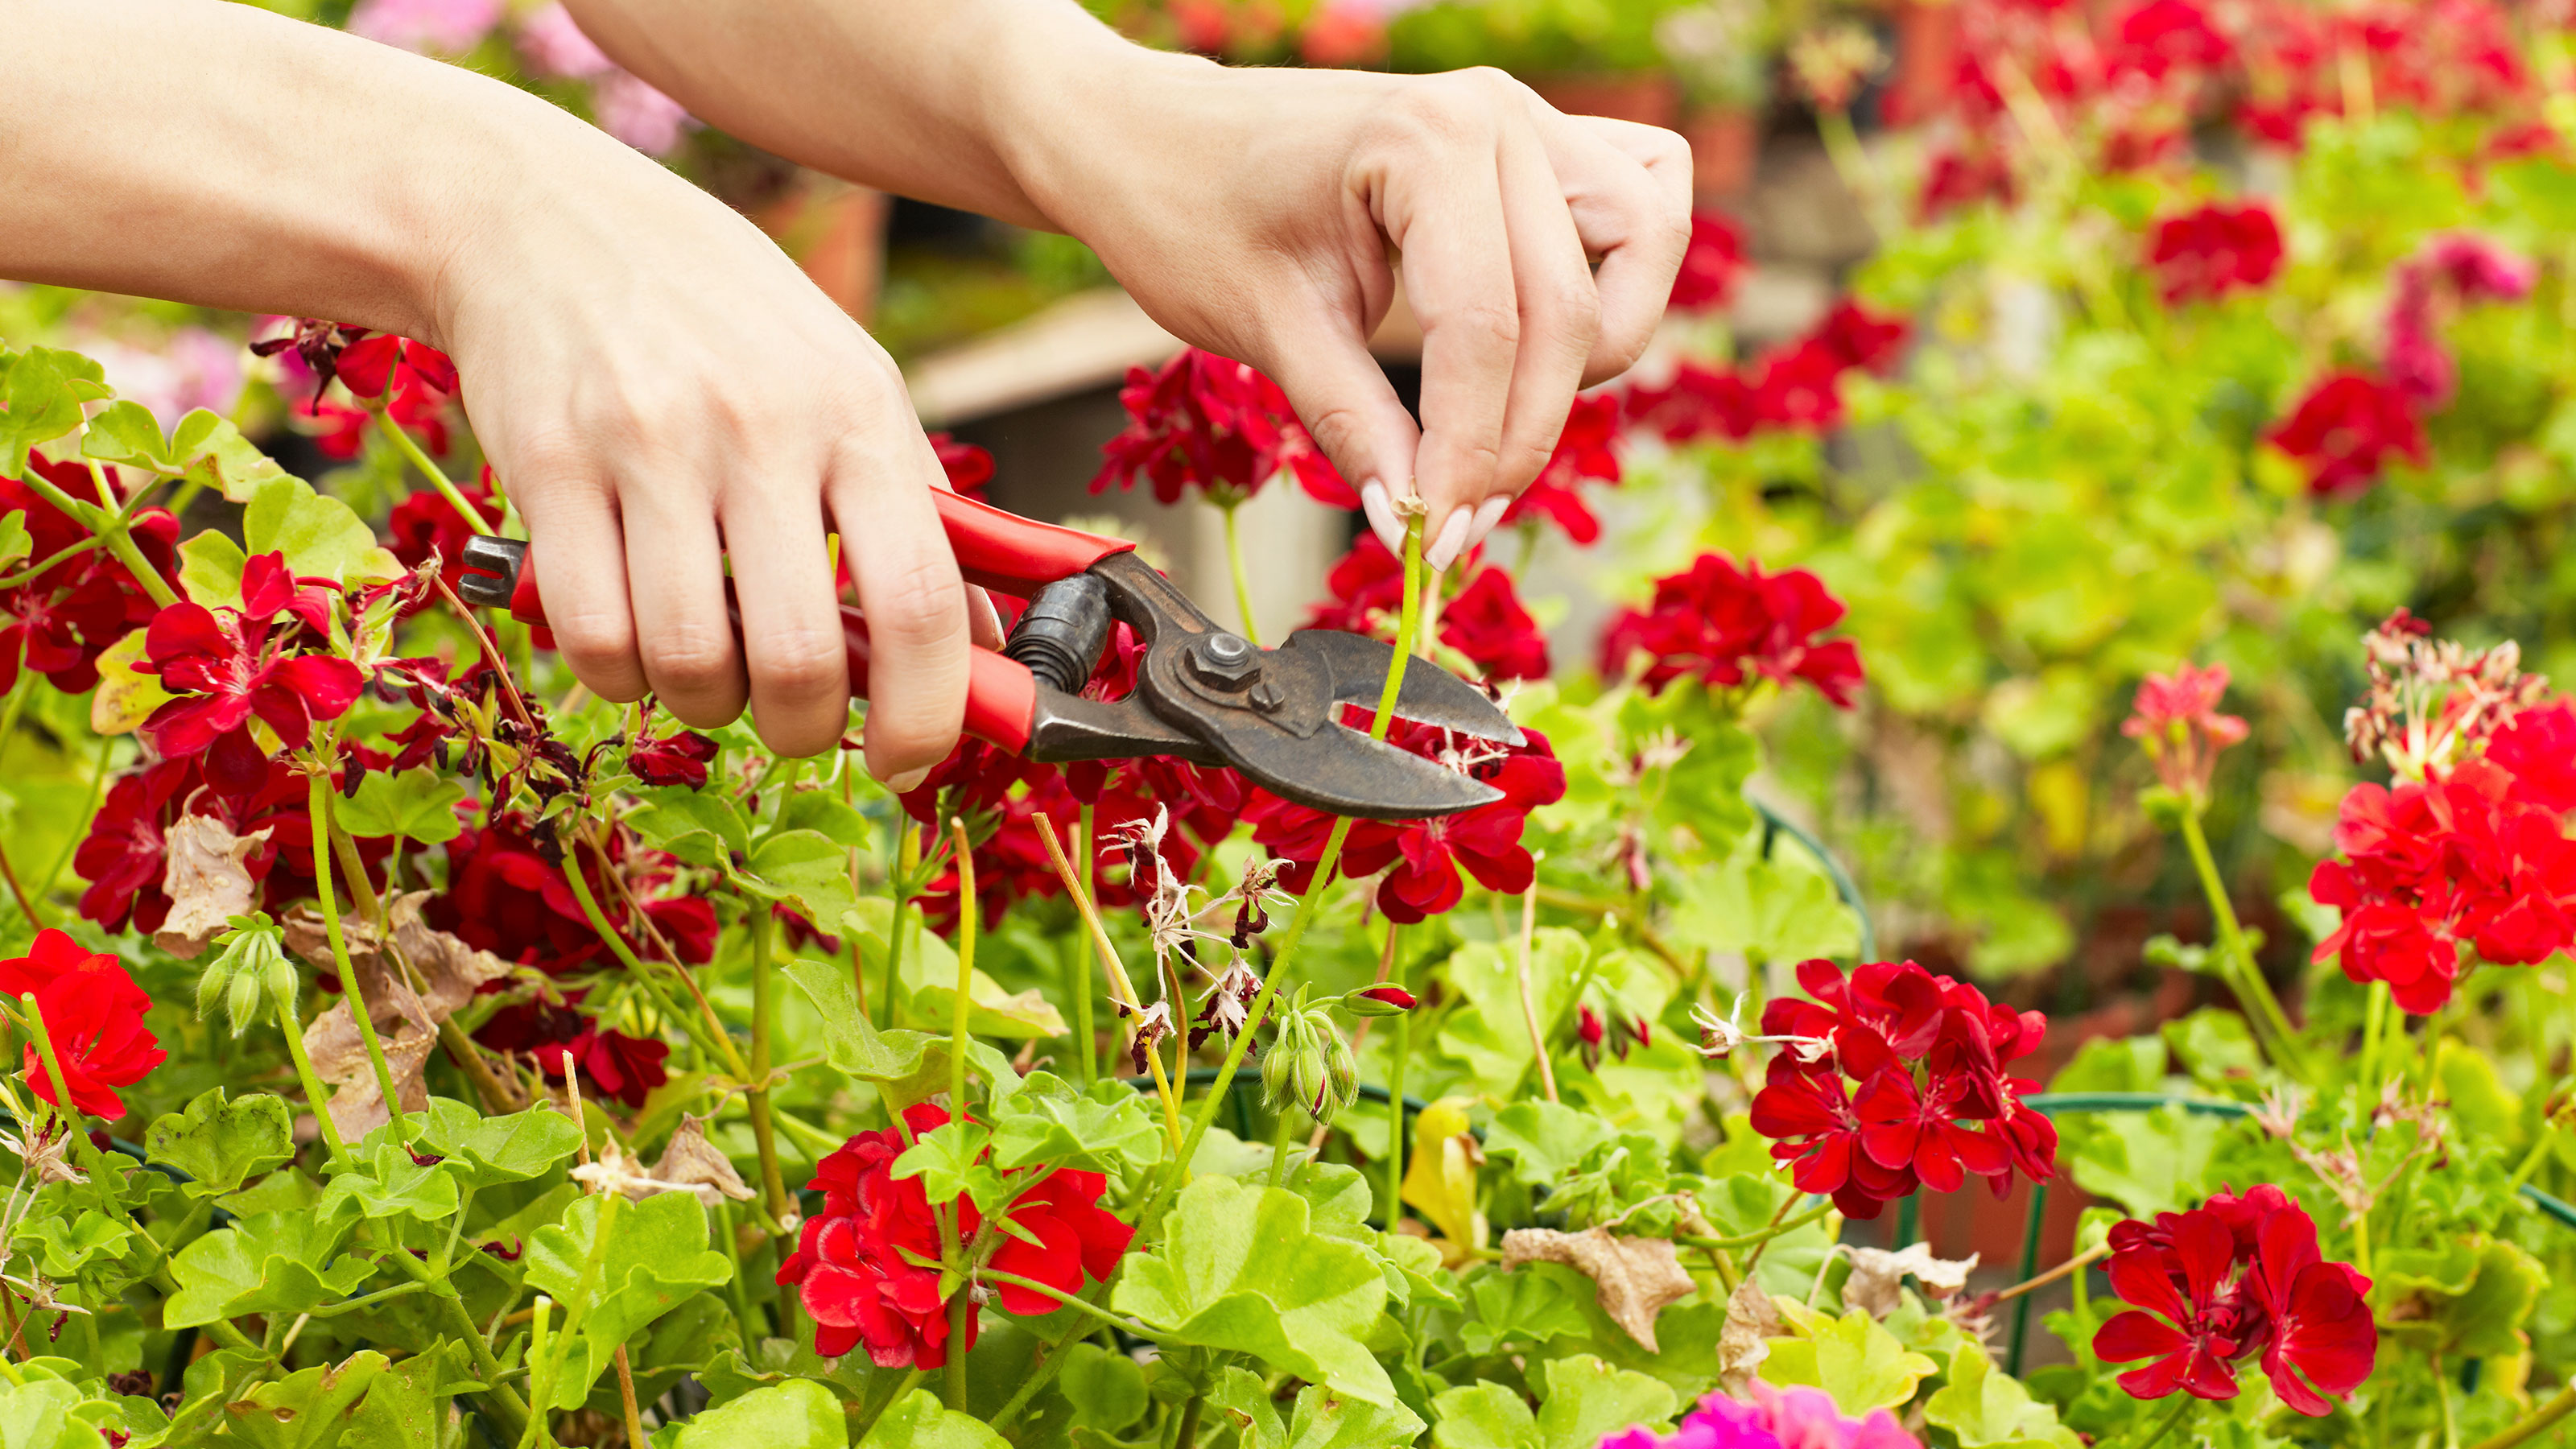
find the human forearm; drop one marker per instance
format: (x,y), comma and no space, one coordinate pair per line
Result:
(217,154)
(948,102)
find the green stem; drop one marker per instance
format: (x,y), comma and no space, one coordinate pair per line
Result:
(438,479)
(1762,1235)
(1242,580)
(961,1317)
(2559,1407)
(2374,1016)
(111,528)
(906,860)
(961,1308)
(1279,1148)
(318,796)
(64,1108)
(1399,1056)
(486,1366)
(1188,1435)
(304,1073)
(764,1131)
(1315,892)
(2249,981)
(1127,1326)
(2165,1426)
(713,1040)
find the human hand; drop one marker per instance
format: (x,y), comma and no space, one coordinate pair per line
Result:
(657,385)
(1263,214)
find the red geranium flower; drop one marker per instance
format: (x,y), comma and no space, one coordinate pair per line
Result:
(2161,37)
(1423,859)
(968,467)
(1214,424)
(866,1266)
(1711,266)
(1855,337)
(426,521)
(1700,402)
(230,664)
(2207,253)
(1801,388)
(374,362)
(506,896)
(1713,620)
(2178,723)
(1585,450)
(627,1068)
(678,759)
(1933,1105)
(2346,430)
(2232,1280)
(125,854)
(94,1017)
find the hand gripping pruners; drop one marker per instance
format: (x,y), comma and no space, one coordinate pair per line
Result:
(1203,693)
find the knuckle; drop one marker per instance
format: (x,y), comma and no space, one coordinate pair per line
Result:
(1496,320)
(799,663)
(1443,112)
(922,604)
(689,659)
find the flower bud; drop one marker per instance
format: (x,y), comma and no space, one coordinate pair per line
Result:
(1380,1001)
(285,986)
(213,982)
(242,1001)
(1342,1076)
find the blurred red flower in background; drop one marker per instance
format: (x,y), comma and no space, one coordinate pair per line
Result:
(2205,254)
(2347,429)
(1211,423)
(1723,625)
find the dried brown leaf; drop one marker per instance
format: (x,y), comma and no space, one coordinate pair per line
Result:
(339,1054)
(689,1164)
(1751,1319)
(1636,1277)
(206,882)
(1877,1274)
(444,971)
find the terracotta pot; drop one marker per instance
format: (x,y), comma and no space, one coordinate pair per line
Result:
(836,232)
(1724,146)
(1648,98)
(1927,60)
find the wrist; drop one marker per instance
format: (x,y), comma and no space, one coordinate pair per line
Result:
(1069,105)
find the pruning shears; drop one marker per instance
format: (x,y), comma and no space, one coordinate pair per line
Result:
(1203,693)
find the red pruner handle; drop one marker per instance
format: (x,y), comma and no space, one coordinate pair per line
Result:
(1015,555)
(1001,694)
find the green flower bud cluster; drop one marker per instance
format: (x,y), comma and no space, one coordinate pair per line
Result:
(252,964)
(1309,1065)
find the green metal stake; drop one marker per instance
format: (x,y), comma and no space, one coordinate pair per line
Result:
(2029,1269)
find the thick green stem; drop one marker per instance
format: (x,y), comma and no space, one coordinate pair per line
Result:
(1320,883)
(304,1073)
(318,797)
(2559,1407)
(2248,976)
(906,860)
(2165,1425)
(1188,1435)
(1242,579)
(437,477)
(461,1323)
(764,1131)
(1398,1056)
(961,1317)
(110,526)
(961,1308)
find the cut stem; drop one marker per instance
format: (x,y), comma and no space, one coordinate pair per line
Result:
(1242,579)
(2248,980)
(1529,998)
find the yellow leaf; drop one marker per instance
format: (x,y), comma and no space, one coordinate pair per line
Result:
(125,699)
(1441,1179)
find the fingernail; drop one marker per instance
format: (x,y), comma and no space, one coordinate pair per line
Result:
(1444,550)
(908,781)
(1487,516)
(992,617)
(1381,516)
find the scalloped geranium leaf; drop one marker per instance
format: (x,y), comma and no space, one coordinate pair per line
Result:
(798,1414)
(320,536)
(1854,1359)
(656,1254)
(222,1144)
(271,1262)
(212,451)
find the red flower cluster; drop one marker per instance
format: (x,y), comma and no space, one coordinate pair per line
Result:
(506,896)
(58,622)
(426,522)
(1796,387)
(1711,266)
(2178,723)
(1932,1106)
(1214,424)
(2205,254)
(413,379)
(229,665)
(1586,450)
(2232,1280)
(675,759)
(2450,272)
(126,853)
(2473,858)
(94,1017)
(1485,621)
(866,1266)
(2346,430)
(1422,859)
(1723,625)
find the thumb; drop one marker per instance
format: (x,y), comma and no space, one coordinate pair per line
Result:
(1346,402)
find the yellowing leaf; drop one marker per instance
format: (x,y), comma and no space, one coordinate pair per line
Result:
(125,699)
(1854,1359)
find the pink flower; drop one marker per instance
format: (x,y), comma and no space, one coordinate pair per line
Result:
(429,27)
(553,45)
(1791,1418)
(635,113)
(2178,723)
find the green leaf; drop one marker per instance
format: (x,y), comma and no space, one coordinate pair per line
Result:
(2214,1045)
(1319,1420)
(312,1409)
(1107,1390)
(656,1256)
(486,1151)
(1588,1400)
(1783,908)
(1493,1039)
(40,400)
(320,536)
(1987,1409)
(946,1159)
(68,1247)
(1483,1415)
(210,570)
(214,452)
(388,1182)
(38,1414)
(2148,1162)
(2488,1110)
(404,1409)
(817,811)
(1048,1123)
(1854,1359)
(807,868)
(798,1414)
(1242,1270)
(126,432)
(15,542)
(919,1421)
(698,826)
(1523,1308)
(222,1144)
(271,1262)
(905,1066)
(418,805)
(1544,1139)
